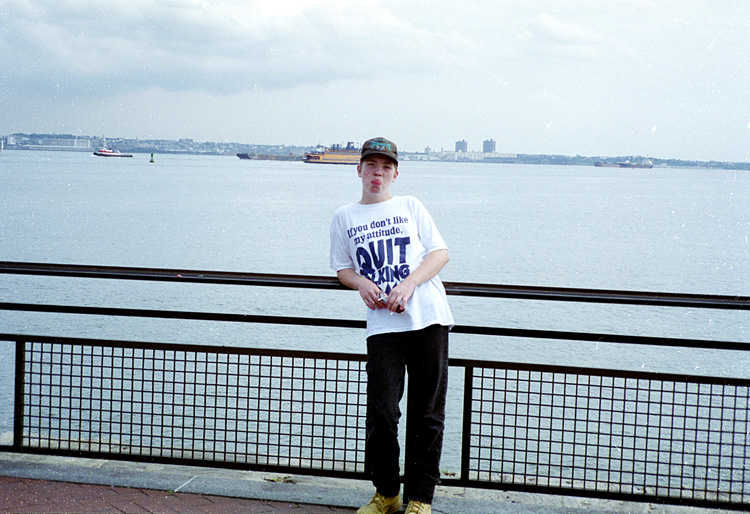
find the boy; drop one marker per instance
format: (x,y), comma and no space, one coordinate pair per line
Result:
(388,248)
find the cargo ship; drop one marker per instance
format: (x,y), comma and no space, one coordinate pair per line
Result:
(644,163)
(335,155)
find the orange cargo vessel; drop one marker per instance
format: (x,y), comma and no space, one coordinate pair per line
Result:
(335,155)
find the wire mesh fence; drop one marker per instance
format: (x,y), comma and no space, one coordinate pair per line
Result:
(655,435)
(555,429)
(581,431)
(260,409)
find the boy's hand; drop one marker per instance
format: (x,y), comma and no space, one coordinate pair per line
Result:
(399,296)
(368,290)
(370,294)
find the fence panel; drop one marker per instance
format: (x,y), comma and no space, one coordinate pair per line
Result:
(258,409)
(612,433)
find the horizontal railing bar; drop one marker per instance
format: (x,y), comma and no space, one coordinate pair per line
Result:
(455,362)
(187,315)
(601,338)
(601,372)
(343,323)
(319,282)
(599,296)
(170,275)
(181,347)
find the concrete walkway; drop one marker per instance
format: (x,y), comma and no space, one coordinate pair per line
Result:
(29,496)
(66,485)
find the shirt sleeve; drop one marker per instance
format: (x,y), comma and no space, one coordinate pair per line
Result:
(429,235)
(339,253)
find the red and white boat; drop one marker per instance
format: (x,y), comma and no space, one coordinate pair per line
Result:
(105,151)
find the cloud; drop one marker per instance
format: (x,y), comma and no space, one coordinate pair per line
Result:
(546,34)
(421,71)
(65,48)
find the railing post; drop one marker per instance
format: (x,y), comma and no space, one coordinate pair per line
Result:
(20,393)
(466,428)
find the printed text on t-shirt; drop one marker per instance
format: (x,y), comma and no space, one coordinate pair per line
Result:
(381,251)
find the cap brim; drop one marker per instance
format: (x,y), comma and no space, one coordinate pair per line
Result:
(375,152)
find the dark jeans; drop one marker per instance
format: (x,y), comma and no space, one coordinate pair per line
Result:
(424,353)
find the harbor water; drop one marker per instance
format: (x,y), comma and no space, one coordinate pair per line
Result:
(661,229)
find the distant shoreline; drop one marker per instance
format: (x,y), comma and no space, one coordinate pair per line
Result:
(186,146)
(530,159)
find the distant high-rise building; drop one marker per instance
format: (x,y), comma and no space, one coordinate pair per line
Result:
(462,146)
(488,146)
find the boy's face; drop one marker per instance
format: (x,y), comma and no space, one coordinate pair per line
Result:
(377,173)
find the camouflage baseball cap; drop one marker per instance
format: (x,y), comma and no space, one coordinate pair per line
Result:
(380,145)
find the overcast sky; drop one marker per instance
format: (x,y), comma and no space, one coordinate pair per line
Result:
(661,78)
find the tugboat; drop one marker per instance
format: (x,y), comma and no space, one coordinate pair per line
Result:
(335,155)
(106,151)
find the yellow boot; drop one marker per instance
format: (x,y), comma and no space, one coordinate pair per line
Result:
(380,504)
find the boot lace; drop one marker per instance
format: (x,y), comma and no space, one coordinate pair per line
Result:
(415,507)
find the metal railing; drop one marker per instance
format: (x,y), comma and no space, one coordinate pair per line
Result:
(253,409)
(556,429)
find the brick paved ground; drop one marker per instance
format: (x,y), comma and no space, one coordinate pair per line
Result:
(26,496)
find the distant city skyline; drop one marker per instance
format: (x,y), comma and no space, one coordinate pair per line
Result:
(70,142)
(488,145)
(460,146)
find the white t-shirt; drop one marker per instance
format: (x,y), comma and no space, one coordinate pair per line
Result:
(385,242)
